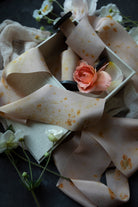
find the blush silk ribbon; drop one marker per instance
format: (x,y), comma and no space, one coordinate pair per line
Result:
(111,146)
(101,143)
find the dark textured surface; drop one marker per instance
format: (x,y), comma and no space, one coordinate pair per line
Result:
(12,192)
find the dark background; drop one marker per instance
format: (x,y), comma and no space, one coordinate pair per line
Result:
(12,192)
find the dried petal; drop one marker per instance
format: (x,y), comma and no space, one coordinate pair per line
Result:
(116,75)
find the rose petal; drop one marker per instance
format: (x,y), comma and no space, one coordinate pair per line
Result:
(103,81)
(85,76)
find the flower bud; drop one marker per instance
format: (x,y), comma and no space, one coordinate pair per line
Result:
(24,174)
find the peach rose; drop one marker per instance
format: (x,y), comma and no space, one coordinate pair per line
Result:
(89,80)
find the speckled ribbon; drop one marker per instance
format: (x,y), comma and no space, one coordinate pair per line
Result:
(110,147)
(26,93)
(105,145)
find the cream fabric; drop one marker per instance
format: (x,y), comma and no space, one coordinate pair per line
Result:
(69,61)
(15,39)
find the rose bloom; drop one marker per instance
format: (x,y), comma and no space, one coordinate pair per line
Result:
(89,80)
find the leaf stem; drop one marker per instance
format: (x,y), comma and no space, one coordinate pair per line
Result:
(10,157)
(128,20)
(54,14)
(35,198)
(57,174)
(59,4)
(48,159)
(49,20)
(40,166)
(29,162)
(25,182)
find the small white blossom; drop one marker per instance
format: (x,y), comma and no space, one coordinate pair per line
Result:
(9,140)
(80,8)
(37,15)
(110,10)
(134,34)
(54,135)
(47,7)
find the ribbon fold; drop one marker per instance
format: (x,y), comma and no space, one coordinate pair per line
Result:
(27,92)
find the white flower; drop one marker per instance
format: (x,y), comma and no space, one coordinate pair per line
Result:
(110,10)
(47,7)
(80,8)
(134,33)
(54,135)
(9,140)
(37,15)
